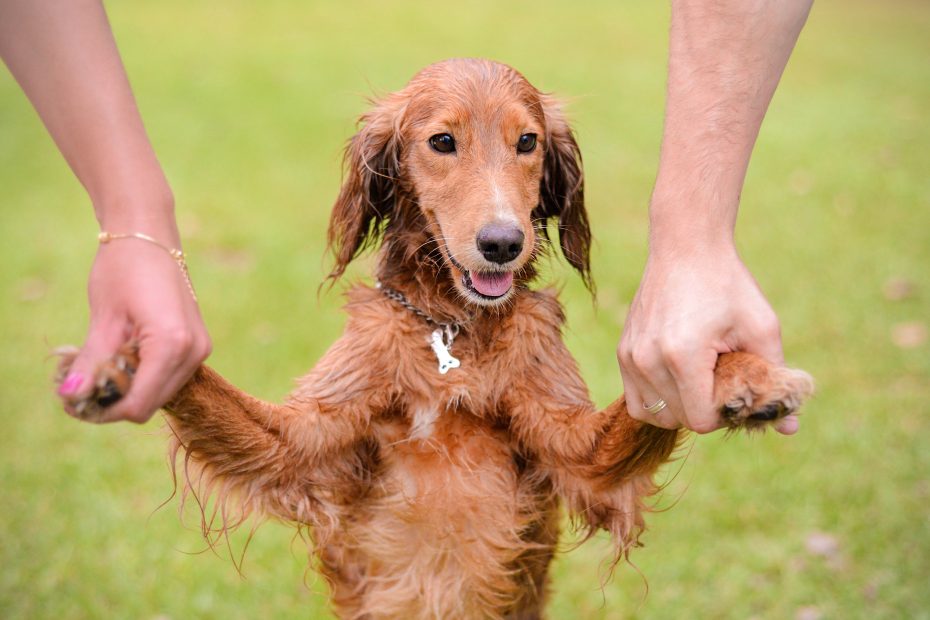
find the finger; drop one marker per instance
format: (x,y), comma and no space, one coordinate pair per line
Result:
(635,386)
(661,387)
(765,341)
(654,382)
(694,377)
(161,372)
(631,396)
(104,338)
(664,417)
(631,390)
(788,425)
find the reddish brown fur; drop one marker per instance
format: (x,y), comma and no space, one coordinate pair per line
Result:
(433,495)
(462,522)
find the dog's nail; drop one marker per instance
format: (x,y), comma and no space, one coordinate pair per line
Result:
(71,385)
(769,412)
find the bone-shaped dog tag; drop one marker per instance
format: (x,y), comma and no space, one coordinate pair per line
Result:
(446,361)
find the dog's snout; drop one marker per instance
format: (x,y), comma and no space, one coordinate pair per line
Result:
(500,243)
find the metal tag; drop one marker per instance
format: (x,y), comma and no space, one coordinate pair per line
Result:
(446,361)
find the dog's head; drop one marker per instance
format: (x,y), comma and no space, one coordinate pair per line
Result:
(471,151)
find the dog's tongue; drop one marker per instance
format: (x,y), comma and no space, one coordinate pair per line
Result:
(492,284)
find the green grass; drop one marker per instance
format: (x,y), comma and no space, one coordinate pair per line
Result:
(249,104)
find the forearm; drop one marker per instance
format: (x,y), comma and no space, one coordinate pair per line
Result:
(64,57)
(725,60)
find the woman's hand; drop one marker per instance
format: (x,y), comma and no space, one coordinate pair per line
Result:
(64,56)
(138,294)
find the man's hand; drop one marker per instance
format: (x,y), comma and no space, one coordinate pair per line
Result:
(697,299)
(690,308)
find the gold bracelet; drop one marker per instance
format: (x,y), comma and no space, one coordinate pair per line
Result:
(176,254)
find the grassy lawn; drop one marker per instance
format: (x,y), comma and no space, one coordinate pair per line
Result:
(249,104)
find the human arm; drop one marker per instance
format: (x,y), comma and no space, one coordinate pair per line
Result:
(697,299)
(65,58)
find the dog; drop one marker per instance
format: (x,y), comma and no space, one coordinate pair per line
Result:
(429,450)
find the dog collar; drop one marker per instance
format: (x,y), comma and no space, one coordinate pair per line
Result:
(442,337)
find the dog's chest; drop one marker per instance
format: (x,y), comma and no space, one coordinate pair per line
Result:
(438,456)
(448,498)
(450,517)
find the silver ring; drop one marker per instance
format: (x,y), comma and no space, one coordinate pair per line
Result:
(656,407)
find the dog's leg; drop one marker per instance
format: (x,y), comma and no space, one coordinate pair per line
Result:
(296,461)
(603,462)
(237,448)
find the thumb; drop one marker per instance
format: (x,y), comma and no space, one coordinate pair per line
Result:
(104,338)
(157,378)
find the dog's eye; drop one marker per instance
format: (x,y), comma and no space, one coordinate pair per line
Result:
(526,143)
(442,143)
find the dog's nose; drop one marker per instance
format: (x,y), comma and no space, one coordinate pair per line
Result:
(500,243)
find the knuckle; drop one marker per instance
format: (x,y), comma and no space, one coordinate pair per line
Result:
(136,414)
(625,352)
(678,359)
(203,349)
(645,358)
(180,340)
(769,327)
(637,413)
(773,330)
(138,418)
(667,424)
(703,425)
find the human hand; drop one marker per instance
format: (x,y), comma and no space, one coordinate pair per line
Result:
(691,306)
(65,58)
(137,294)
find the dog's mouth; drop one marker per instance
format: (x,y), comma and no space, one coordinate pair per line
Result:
(489,285)
(485,285)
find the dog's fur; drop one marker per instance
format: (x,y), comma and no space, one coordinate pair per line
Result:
(433,495)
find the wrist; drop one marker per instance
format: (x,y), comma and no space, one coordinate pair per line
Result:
(147,211)
(688,226)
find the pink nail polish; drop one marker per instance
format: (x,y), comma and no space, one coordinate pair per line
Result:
(71,385)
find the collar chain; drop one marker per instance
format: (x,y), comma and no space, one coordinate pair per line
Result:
(449,329)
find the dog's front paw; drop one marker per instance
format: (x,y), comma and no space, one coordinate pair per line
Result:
(751,393)
(110,383)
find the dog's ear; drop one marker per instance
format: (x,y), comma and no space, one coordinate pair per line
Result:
(561,191)
(372,168)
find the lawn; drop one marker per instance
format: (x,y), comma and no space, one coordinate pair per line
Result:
(249,105)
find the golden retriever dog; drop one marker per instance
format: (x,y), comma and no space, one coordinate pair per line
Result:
(429,450)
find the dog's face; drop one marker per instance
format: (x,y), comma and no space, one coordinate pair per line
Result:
(475,156)
(484,157)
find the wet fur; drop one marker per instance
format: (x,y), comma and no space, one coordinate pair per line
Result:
(429,495)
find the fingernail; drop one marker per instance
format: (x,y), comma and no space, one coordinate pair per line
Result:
(71,384)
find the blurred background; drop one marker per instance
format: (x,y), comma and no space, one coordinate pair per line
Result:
(249,104)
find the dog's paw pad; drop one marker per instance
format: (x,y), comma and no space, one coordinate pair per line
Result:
(110,383)
(755,394)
